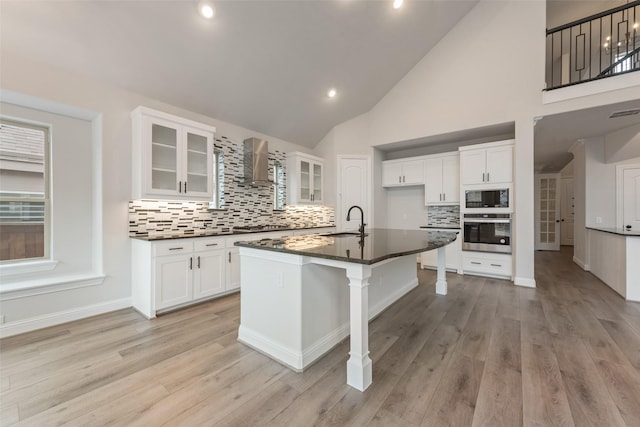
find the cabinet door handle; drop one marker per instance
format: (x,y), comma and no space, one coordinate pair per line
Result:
(179,186)
(483,174)
(400,179)
(476,263)
(444,197)
(404,178)
(191,263)
(229,256)
(185,187)
(496,265)
(211,244)
(176,249)
(198,261)
(488,177)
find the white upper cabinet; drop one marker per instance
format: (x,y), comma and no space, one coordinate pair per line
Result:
(397,173)
(172,157)
(304,178)
(442,179)
(490,163)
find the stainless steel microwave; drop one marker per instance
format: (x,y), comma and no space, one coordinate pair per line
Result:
(487,199)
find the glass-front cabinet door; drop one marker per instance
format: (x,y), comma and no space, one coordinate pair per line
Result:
(164,146)
(175,158)
(317,183)
(199,154)
(305,181)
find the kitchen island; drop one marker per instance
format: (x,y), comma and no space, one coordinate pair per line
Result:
(297,303)
(613,255)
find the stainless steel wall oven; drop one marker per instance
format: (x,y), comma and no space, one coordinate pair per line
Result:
(487,232)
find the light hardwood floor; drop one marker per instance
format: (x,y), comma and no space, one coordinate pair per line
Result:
(487,354)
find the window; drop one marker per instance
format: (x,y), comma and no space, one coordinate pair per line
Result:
(218,181)
(24,191)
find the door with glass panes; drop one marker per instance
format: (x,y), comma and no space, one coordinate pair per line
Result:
(547,212)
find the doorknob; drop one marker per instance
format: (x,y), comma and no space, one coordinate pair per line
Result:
(557,220)
(628,227)
(562,219)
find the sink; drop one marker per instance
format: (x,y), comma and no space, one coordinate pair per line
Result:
(345,234)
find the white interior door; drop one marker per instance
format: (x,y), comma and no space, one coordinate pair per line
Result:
(566,211)
(631,199)
(353,189)
(548,212)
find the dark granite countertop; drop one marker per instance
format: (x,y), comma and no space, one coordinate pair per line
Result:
(378,244)
(615,230)
(442,227)
(213,233)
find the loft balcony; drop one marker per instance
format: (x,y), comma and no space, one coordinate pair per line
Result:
(600,46)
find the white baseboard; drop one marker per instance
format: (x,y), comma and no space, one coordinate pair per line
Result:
(525,282)
(21,326)
(581,263)
(299,360)
(259,342)
(391,298)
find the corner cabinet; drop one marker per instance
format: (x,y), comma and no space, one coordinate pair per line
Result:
(304,179)
(442,179)
(398,173)
(172,157)
(490,163)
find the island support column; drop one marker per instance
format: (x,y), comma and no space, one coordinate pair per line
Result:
(359,370)
(441,282)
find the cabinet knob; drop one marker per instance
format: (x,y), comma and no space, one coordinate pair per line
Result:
(628,227)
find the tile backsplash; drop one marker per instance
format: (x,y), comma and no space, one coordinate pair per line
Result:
(243,203)
(443,215)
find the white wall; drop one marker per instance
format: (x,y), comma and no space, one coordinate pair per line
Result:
(623,144)
(114,168)
(579,195)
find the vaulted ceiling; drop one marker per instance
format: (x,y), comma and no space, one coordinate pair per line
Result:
(264,65)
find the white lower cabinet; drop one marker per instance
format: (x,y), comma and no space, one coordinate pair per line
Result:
(452,254)
(487,264)
(172,273)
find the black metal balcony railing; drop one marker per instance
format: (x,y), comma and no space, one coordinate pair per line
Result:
(596,47)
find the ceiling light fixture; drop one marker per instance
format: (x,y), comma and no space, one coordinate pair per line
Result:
(206,9)
(397,4)
(332,93)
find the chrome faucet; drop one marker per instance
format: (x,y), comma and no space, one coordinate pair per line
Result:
(362,224)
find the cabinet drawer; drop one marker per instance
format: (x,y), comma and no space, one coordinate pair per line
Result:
(178,246)
(207,244)
(495,264)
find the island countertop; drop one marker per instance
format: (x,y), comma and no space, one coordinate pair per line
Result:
(377,245)
(615,230)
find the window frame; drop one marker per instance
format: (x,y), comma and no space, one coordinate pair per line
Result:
(46,261)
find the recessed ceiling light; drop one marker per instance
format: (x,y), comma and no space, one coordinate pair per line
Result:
(397,4)
(332,93)
(206,9)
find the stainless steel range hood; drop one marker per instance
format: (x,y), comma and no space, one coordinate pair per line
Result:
(256,161)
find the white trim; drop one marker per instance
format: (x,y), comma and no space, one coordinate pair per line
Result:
(27,267)
(146,111)
(525,282)
(620,82)
(28,288)
(258,342)
(324,345)
(487,145)
(39,322)
(581,263)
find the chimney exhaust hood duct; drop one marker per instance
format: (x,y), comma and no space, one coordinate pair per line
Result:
(256,161)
